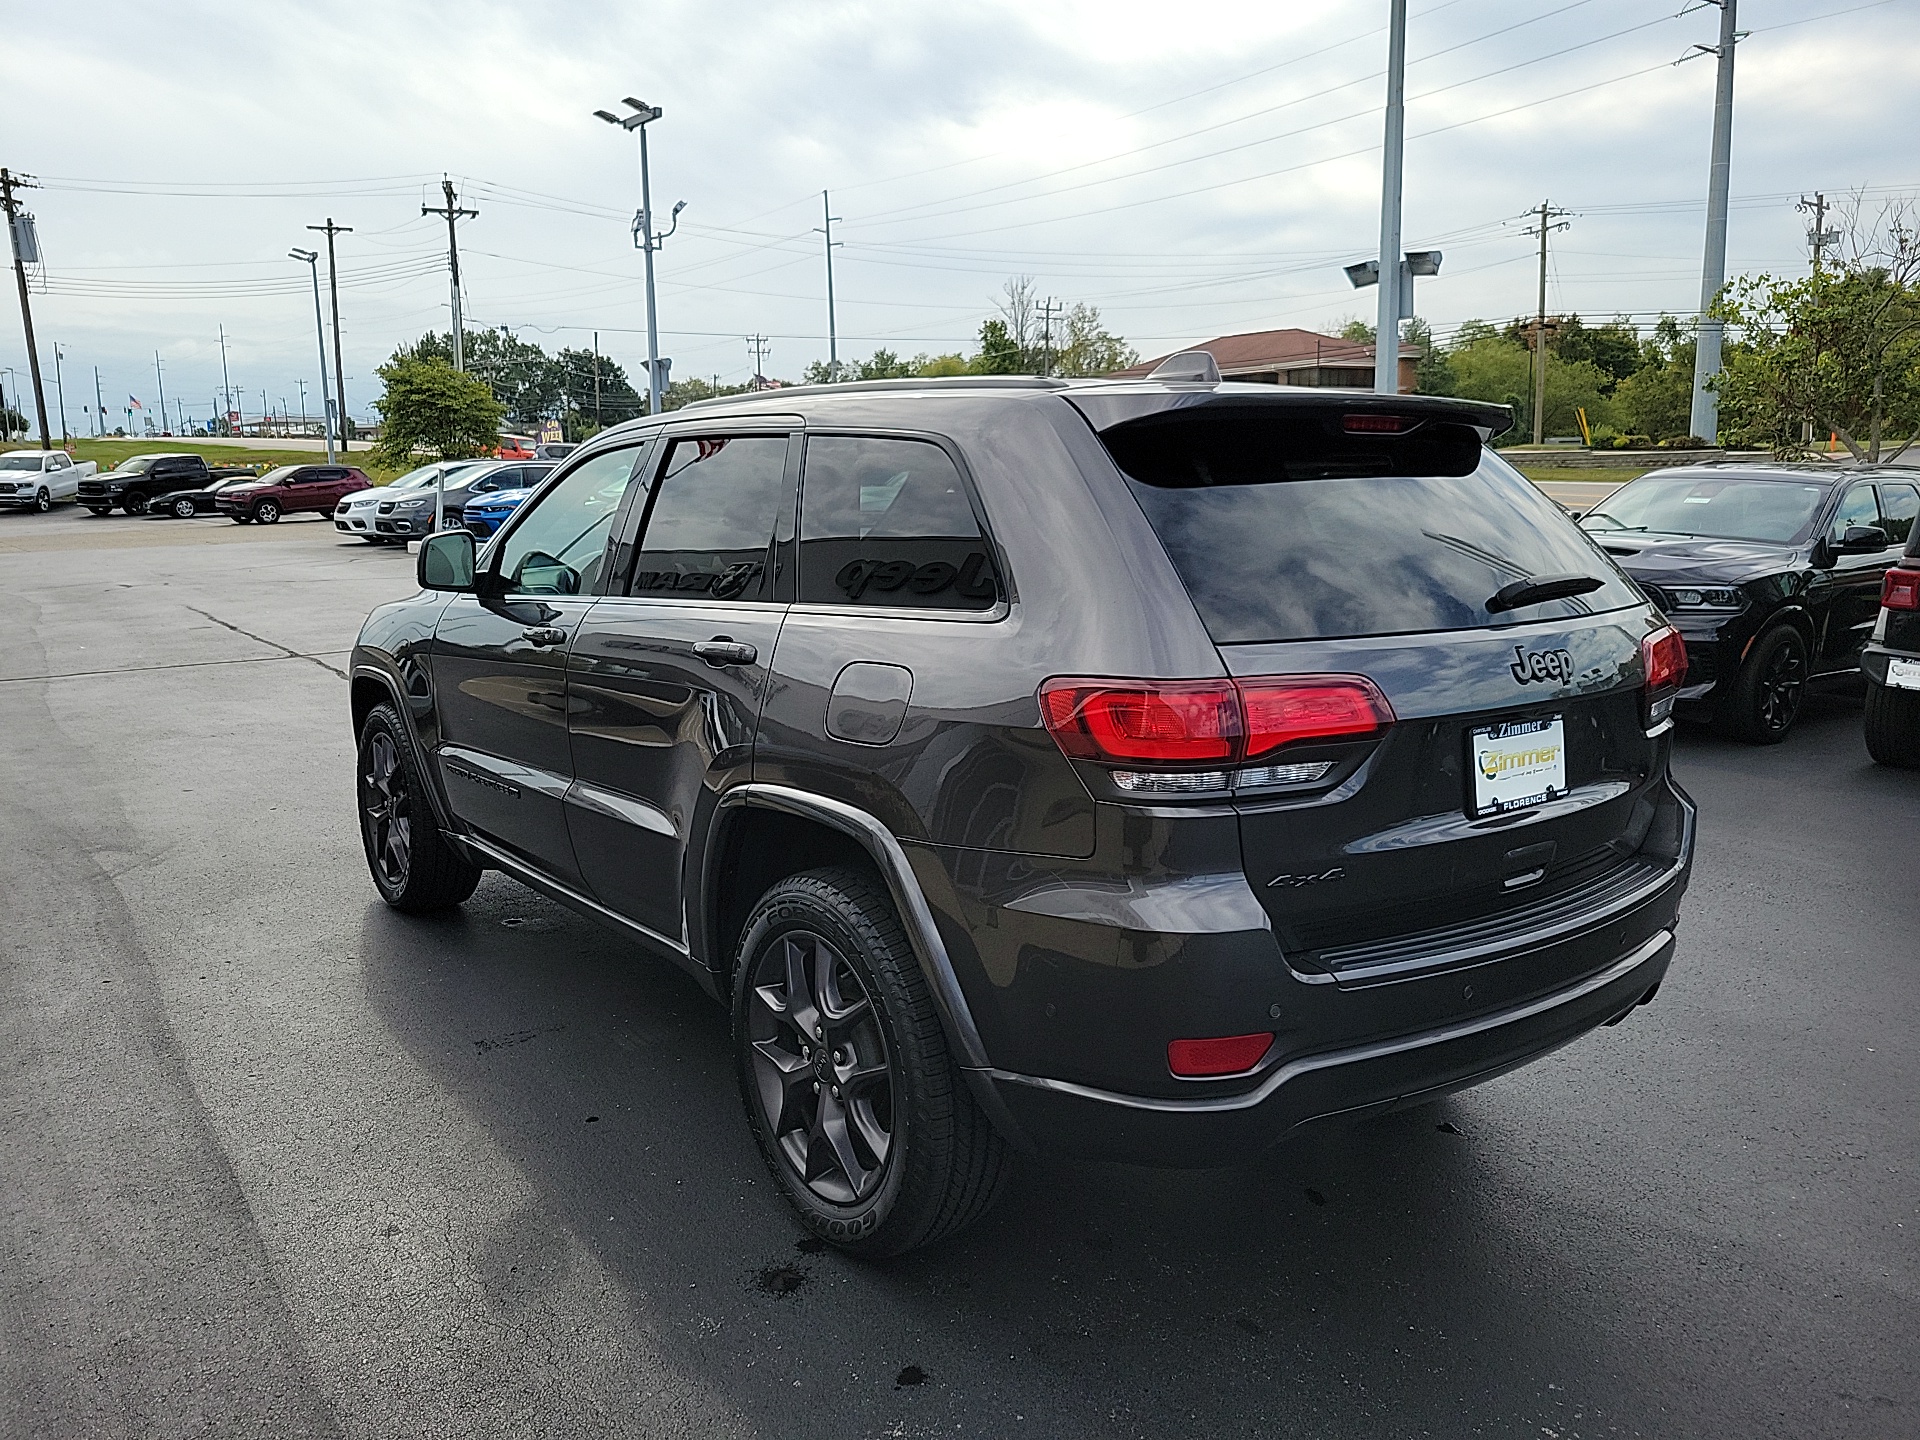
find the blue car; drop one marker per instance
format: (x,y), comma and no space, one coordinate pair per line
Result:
(485,516)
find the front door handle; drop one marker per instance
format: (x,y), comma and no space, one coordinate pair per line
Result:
(721,651)
(544,635)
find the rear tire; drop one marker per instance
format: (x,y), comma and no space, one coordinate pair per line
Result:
(1769,690)
(853,1096)
(413,866)
(1893,726)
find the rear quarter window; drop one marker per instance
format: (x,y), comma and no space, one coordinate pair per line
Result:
(1285,528)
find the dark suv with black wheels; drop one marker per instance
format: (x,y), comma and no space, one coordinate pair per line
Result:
(1137,770)
(1771,572)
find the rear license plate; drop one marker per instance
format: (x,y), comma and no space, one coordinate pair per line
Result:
(1903,674)
(1517,765)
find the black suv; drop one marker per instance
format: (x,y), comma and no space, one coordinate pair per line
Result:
(1131,769)
(1771,572)
(1891,665)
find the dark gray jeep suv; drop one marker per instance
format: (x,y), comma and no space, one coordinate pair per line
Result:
(1130,769)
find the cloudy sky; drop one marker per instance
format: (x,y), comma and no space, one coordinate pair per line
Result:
(1194,169)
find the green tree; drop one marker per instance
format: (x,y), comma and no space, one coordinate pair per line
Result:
(685,392)
(884,365)
(429,406)
(1613,348)
(617,399)
(1838,351)
(1493,366)
(937,365)
(1090,348)
(1358,330)
(999,353)
(530,385)
(1433,375)
(828,372)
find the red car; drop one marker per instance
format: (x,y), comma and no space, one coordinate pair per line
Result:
(516,447)
(289,490)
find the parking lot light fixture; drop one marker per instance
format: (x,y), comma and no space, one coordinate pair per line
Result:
(312,259)
(645,238)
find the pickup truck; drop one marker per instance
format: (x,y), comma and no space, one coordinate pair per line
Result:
(137,482)
(41,478)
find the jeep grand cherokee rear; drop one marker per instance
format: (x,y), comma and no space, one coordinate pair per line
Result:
(1129,769)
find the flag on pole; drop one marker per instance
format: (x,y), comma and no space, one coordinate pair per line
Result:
(135,403)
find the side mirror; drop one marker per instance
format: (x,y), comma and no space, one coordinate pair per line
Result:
(446,561)
(1863,540)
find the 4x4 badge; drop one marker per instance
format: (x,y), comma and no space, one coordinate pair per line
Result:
(1295,882)
(1542,665)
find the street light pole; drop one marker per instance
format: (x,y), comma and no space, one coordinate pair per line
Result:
(1386,330)
(1705,416)
(645,238)
(157,380)
(333,293)
(226,384)
(312,257)
(60,389)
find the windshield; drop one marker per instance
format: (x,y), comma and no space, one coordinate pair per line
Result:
(275,476)
(1284,530)
(415,479)
(19,462)
(138,465)
(1716,507)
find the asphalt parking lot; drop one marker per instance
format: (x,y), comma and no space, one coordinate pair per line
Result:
(278,1161)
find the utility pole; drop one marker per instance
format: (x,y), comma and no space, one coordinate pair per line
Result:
(303,407)
(1819,237)
(1705,421)
(1386,330)
(758,345)
(333,290)
(226,385)
(60,387)
(450,212)
(833,333)
(25,239)
(99,407)
(596,380)
(163,389)
(1048,309)
(1549,221)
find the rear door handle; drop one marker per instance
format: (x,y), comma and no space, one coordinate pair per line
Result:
(544,635)
(721,651)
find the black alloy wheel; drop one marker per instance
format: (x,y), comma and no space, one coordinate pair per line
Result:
(853,1095)
(267,512)
(820,1067)
(43,500)
(1767,695)
(185,508)
(135,504)
(413,866)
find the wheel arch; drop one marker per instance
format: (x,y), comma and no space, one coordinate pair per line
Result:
(369,686)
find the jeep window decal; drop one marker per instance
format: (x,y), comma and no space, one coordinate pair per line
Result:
(886,521)
(713,519)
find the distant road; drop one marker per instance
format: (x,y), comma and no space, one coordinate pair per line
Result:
(1579,494)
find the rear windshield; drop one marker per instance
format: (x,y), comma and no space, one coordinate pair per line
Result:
(1285,529)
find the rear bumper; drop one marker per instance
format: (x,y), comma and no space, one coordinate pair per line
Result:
(1059,1117)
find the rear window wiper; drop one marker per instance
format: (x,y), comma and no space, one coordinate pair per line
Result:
(1537,589)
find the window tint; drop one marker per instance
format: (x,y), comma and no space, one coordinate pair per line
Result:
(712,521)
(559,541)
(1899,505)
(1713,506)
(888,522)
(1857,507)
(1267,557)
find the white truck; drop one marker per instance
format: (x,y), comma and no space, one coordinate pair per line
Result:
(41,478)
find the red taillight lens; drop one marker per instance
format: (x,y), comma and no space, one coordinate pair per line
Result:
(1287,709)
(1665,654)
(1207,722)
(1227,1055)
(1901,590)
(1167,722)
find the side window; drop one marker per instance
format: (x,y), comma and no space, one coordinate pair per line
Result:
(561,538)
(714,511)
(60,462)
(1899,505)
(888,522)
(1856,508)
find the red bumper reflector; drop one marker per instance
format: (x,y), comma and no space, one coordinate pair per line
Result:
(1226,1055)
(1901,589)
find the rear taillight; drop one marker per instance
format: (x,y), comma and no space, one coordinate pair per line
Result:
(1901,590)
(1205,728)
(1664,657)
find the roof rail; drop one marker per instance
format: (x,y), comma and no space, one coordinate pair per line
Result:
(859,387)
